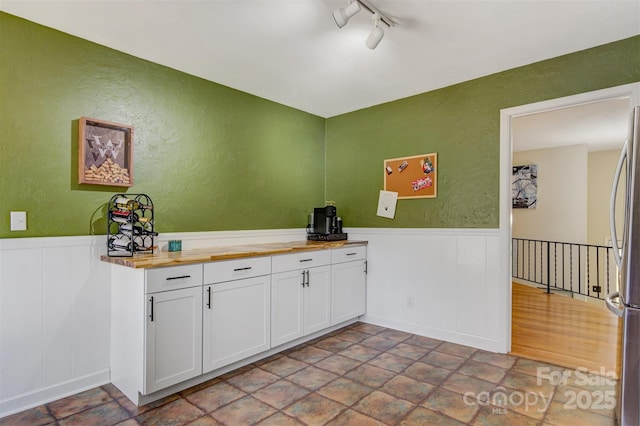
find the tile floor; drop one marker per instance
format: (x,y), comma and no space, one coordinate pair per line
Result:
(359,375)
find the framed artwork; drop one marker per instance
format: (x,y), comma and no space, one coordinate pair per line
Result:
(412,177)
(524,186)
(105,153)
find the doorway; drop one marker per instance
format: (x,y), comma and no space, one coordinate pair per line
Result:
(630,92)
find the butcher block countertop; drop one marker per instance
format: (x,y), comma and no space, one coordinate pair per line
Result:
(185,257)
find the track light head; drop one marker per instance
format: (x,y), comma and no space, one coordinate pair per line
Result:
(342,15)
(376,34)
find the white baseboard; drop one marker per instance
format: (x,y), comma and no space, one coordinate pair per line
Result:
(434,333)
(52,393)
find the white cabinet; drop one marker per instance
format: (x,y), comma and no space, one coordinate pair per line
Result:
(236,313)
(156,328)
(300,295)
(348,283)
(173,337)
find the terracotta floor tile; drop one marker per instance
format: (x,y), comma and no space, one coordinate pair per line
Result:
(499,360)
(284,366)
(245,411)
(442,360)
(408,389)
(215,396)
(314,409)
(281,393)
(409,351)
(391,362)
(107,414)
(79,402)
(527,403)
(559,415)
(359,353)
(344,391)
(426,373)
(280,419)
(535,368)
(379,343)
(333,344)
(203,421)
(423,416)
(367,328)
(457,350)
(493,416)
(312,377)
(338,364)
(252,380)
(361,374)
(425,342)
(398,336)
(34,416)
(352,336)
(178,412)
(484,371)
(383,407)
(113,391)
(453,404)
(353,418)
(310,354)
(370,375)
(463,384)
(521,381)
(601,402)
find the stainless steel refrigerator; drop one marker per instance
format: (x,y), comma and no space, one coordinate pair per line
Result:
(626,301)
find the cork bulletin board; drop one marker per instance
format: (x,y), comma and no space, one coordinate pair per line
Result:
(412,177)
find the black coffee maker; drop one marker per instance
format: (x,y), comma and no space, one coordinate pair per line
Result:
(325,225)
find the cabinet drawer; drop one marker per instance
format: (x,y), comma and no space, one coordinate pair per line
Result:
(291,262)
(347,254)
(229,270)
(173,278)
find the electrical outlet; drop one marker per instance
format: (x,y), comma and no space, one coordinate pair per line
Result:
(410,301)
(18,221)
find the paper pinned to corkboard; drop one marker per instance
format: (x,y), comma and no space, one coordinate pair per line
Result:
(412,177)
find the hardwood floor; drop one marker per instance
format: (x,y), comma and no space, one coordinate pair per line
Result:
(563,331)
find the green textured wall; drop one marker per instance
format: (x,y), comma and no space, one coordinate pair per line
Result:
(211,158)
(461,123)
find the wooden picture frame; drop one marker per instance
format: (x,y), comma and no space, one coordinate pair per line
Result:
(105,153)
(412,177)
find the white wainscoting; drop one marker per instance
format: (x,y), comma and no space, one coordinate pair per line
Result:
(55,305)
(456,278)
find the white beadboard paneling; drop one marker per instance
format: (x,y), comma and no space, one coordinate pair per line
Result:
(471,303)
(454,278)
(21,322)
(55,311)
(58,319)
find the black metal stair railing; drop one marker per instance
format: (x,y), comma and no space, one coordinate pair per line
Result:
(586,269)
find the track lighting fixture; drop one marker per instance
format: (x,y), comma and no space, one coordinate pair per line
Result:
(342,16)
(376,35)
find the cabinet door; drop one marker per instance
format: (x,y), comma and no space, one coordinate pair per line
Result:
(317,300)
(286,307)
(348,291)
(236,321)
(173,337)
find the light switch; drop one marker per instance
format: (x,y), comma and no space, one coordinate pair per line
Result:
(18,221)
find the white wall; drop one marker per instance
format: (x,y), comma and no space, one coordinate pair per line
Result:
(602,165)
(561,211)
(55,306)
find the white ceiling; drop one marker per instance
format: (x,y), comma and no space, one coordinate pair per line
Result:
(600,125)
(291,51)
